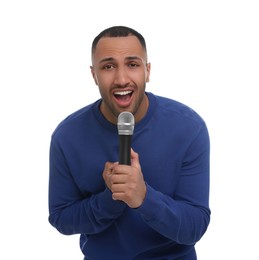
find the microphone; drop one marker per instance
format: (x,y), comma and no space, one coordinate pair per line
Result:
(125,126)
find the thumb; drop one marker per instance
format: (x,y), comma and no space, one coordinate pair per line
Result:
(134,159)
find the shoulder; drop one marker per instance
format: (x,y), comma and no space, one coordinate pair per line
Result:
(176,110)
(179,118)
(75,120)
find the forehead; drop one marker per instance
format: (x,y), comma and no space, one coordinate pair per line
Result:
(118,46)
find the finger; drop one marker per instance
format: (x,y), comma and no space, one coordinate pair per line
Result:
(120,169)
(118,178)
(108,166)
(118,188)
(118,196)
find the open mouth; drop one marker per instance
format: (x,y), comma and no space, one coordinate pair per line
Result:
(123,97)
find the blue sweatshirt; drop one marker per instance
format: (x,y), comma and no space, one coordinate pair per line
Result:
(173,145)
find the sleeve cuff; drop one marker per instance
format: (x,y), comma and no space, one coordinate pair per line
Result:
(110,206)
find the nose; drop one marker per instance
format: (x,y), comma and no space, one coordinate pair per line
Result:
(121,77)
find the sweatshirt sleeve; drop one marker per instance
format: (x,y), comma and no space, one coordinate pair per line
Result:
(184,217)
(71,212)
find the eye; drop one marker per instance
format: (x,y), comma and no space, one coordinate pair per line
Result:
(108,67)
(133,65)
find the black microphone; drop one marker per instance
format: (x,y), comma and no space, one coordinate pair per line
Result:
(125,126)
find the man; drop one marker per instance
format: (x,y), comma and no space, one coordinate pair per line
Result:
(155,208)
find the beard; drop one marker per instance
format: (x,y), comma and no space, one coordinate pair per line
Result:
(111,110)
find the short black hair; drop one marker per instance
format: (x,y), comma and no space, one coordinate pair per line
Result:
(118,31)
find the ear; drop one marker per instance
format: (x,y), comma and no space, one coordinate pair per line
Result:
(94,75)
(148,71)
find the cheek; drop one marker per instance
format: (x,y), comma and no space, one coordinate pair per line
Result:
(103,86)
(136,75)
(104,80)
(141,79)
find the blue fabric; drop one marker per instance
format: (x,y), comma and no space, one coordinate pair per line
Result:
(173,145)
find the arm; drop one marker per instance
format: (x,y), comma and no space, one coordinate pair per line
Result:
(185,217)
(71,212)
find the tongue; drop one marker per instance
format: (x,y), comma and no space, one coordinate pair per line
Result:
(123,100)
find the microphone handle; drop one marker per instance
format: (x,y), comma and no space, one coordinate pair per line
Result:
(124,149)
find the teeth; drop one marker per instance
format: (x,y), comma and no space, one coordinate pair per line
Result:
(122,93)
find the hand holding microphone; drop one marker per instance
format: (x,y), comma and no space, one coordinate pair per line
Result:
(125,179)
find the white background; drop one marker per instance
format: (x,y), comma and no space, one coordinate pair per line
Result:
(203,53)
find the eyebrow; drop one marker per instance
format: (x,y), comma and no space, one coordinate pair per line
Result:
(127,58)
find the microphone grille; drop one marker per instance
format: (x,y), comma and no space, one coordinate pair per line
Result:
(125,123)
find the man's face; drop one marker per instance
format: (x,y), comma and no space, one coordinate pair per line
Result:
(121,71)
